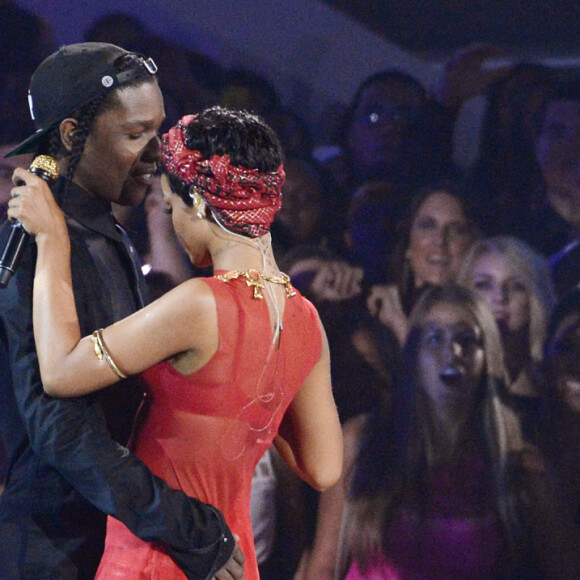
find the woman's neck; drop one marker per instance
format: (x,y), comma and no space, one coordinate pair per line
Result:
(450,434)
(240,253)
(516,347)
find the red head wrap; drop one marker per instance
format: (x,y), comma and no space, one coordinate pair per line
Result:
(245,200)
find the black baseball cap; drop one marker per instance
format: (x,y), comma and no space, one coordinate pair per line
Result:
(71,78)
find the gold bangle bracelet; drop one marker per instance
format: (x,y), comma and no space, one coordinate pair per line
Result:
(102,353)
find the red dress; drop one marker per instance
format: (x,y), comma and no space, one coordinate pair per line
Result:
(205,432)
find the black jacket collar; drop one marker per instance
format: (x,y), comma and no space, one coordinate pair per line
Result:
(90,211)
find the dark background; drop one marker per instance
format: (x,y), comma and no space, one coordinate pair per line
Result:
(543,27)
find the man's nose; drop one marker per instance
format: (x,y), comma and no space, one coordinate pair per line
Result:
(152,150)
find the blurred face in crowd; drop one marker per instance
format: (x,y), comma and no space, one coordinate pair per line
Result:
(379,127)
(563,358)
(7,167)
(521,100)
(301,199)
(558,155)
(439,236)
(451,358)
(504,289)
(119,160)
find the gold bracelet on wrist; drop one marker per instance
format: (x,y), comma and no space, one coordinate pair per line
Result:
(101,352)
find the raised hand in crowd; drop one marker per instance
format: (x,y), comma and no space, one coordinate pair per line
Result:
(384,302)
(469,71)
(332,280)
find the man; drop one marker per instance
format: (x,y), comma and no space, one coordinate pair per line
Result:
(97,109)
(558,157)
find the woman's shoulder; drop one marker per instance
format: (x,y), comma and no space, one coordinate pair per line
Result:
(197,288)
(194,296)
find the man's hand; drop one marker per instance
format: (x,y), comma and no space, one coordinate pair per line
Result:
(34,206)
(234,567)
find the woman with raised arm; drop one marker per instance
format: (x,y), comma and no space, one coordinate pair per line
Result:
(233,362)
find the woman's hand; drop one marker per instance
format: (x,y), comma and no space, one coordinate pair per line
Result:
(34,206)
(384,303)
(331,280)
(337,281)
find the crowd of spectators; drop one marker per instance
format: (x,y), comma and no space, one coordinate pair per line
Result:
(369,235)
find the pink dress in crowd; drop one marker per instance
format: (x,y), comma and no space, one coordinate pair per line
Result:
(458,537)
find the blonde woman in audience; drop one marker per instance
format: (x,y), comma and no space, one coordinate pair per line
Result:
(514,280)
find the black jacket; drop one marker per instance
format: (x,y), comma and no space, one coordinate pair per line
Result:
(68,466)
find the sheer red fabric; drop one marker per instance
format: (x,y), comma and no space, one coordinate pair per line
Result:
(204,433)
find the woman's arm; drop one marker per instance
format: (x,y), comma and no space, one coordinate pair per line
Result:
(322,560)
(310,438)
(68,363)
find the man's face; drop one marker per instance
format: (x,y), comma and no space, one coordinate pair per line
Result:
(558,155)
(380,124)
(120,155)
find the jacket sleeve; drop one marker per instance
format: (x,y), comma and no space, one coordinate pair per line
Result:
(71,435)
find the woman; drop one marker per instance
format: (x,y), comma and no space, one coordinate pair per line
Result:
(515,282)
(440,486)
(232,362)
(432,242)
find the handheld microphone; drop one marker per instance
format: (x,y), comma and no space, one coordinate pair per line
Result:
(46,168)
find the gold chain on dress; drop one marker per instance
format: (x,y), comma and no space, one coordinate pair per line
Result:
(254,280)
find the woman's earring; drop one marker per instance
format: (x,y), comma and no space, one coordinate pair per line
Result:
(198,204)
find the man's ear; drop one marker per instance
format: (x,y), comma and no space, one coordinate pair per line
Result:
(68,128)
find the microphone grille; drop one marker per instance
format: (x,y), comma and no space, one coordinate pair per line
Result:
(46,164)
